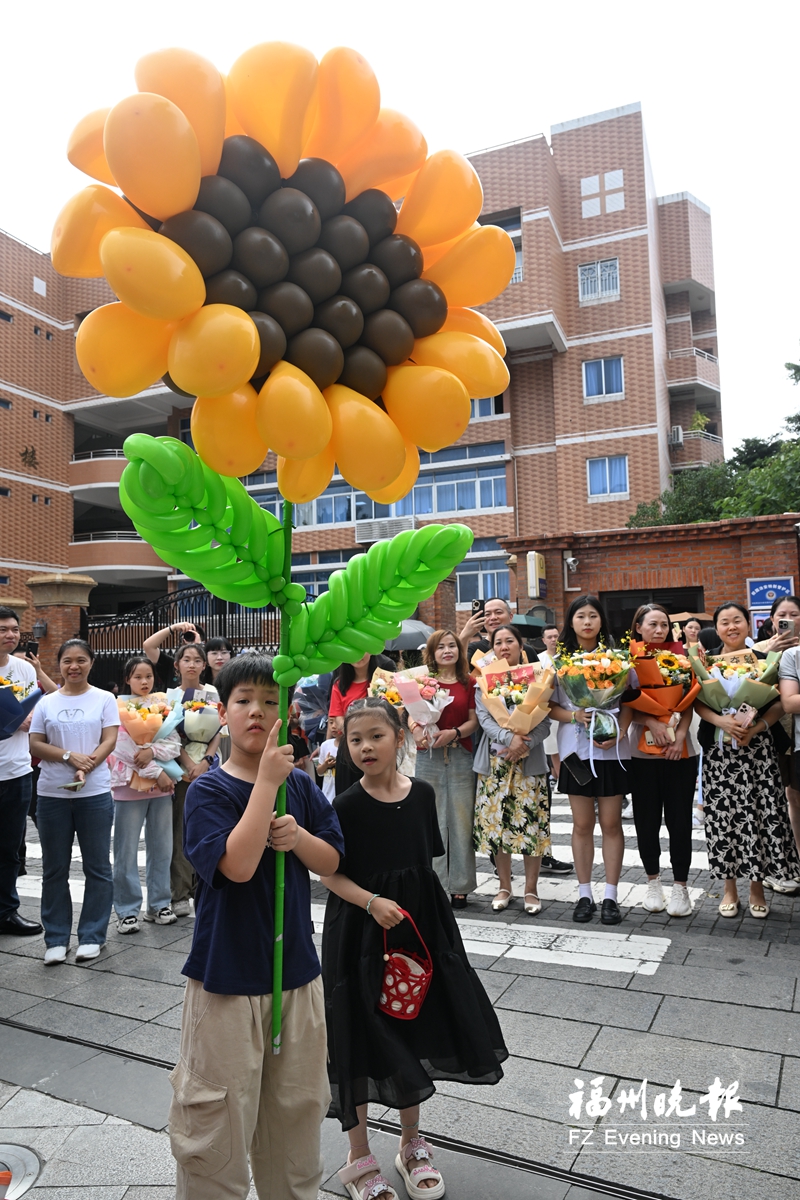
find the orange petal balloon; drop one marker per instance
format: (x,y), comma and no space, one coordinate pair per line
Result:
(195,86)
(151,274)
(368,447)
(301,479)
(292,415)
(348,103)
(405,481)
(443,201)
(429,406)
(432,254)
(467,320)
(271,86)
(397,188)
(392,147)
(153,154)
(472,360)
(85,147)
(81,226)
(121,352)
(225,433)
(232,124)
(476,269)
(215,351)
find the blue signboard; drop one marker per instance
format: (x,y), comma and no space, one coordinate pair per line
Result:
(762,592)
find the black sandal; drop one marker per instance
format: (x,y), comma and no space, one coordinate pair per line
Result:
(458,901)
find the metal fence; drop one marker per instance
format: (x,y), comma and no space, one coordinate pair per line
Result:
(115,639)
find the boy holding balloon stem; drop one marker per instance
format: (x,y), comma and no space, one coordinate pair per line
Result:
(233,1097)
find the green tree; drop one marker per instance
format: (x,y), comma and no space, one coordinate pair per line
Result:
(772,487)
(695,496)
(753,451)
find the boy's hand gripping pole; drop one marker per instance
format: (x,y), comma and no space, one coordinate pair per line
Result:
(280,802)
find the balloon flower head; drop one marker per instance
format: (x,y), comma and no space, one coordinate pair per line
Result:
(249,227)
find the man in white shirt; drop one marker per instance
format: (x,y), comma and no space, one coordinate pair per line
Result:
(15,784)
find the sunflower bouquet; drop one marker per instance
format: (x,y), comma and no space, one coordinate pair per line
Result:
(18,690)
(595,680)
(668,688)
(729,680)
(16,701)
(517,697)
(382,685)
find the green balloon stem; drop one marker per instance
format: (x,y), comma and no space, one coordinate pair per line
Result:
(280,802)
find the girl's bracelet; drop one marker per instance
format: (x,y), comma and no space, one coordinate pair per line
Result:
(376,896)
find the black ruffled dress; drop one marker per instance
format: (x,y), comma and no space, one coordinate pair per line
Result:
(373,1057)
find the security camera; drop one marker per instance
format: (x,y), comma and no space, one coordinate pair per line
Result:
(572,565)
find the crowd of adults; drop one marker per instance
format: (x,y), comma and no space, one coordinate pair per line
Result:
(76,772)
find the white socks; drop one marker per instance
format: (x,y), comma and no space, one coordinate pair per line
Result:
(611,891)
(584,891)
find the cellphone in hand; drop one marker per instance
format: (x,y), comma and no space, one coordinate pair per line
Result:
(32,649)
(785,625)
(651,741)
(477,608)
(746,714)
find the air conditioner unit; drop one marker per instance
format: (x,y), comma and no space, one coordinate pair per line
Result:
(375,531)
(675,436)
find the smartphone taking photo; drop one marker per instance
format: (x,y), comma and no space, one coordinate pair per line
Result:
(32,650)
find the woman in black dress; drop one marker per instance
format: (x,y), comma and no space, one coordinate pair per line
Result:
(391,837)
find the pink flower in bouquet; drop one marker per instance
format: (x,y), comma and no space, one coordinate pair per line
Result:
(428,692)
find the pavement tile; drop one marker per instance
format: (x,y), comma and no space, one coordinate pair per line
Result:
(90,1193)
(45,1141)
(35,979)
(123,1088)
(479,1125)
(734,958)
(29,1058)
(495,983)
(53,1016)
(171,1018)
(156,1041)
(7,1090)
(629,1054)
(730,1024)
(34,1109)
(145,962)
(13,1002)
(569,974)
(151,934)
(550,1039)
(703,983)
(150,1193)
(789,1096)
(139,998)
(684,1176)
(110,1154)
(582,1002)
(528,1086)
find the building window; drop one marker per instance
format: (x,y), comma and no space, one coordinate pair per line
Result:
(47,501)
(602,377)
(4,491)
(608,476)
(49,336)
(48,419)
(36,330)
(488,406)
(483,574)
(35,498)
(599,281)
(5,579)
(7,317)
(6,404)
(591,194)
(36,414)
(511,221)
(39,286)
(186,431)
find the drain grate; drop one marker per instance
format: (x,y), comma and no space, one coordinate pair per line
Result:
(24,1165)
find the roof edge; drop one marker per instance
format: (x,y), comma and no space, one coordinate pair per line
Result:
(610,114)
(676,197)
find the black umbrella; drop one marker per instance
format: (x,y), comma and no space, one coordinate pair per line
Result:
(413,636)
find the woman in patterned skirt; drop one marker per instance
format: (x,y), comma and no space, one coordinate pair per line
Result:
(747,821)
(512,812)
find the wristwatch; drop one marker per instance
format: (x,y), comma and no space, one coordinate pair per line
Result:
(66,755)
(209,758)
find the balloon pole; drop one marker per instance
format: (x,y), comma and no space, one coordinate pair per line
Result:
(280,801)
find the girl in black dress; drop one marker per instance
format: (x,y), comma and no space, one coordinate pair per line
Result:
(391,836)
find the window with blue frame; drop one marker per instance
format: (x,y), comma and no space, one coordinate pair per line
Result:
(480,579)
(487,406)
(602,377)
(608,476)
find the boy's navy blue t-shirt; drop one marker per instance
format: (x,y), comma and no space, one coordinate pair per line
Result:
(233,935)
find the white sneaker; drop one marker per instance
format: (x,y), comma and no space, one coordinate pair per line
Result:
(128,925)
(87,953)
(680,903)
(181,908)
(786,887)
(627,812)
(55,954)
(164,916)
(655,900)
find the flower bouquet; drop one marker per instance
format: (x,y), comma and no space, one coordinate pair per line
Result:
(729,680)
(517,697)
(422,697)
(149,719)
(595,680)
(200,724)
(16,701)
(384,687)
(668,688)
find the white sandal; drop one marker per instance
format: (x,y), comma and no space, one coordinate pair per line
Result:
(418,1150)
(377,1186)
(532,909)
(499,905)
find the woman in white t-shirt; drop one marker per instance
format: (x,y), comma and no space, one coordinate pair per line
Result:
(73,731)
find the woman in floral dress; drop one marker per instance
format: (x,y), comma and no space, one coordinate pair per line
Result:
(512,814)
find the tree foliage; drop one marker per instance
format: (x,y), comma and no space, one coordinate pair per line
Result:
(694,496)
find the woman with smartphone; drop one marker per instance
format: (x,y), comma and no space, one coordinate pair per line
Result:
(747,824)
(73,731)
(164,663)
(662,781)
(586,628)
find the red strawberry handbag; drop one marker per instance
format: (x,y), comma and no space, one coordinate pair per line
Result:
(406,978)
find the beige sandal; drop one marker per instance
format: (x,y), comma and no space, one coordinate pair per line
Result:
(726,909)
(377,1186)
(418,1150)
(499,905)
(760,911)
(536,907)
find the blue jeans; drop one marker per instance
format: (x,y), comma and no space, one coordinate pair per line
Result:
(155,813)
(59,820)
(15,796)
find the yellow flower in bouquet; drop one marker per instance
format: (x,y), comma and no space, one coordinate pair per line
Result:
(600,669)
(18,689)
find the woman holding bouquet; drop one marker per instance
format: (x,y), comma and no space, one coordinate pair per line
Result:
(134,808)
(445,762)
(512,810)
(747,823)
(662,781)
(596,773)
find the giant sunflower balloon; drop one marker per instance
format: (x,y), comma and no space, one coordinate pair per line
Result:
(261,265)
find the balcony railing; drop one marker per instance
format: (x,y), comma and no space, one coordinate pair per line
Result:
(85,455)
(107,535)
(693,352)
(699,449)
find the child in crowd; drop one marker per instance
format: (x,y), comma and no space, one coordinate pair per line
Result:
(233,1097)
(134,808)
(392,836)
(326,764)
